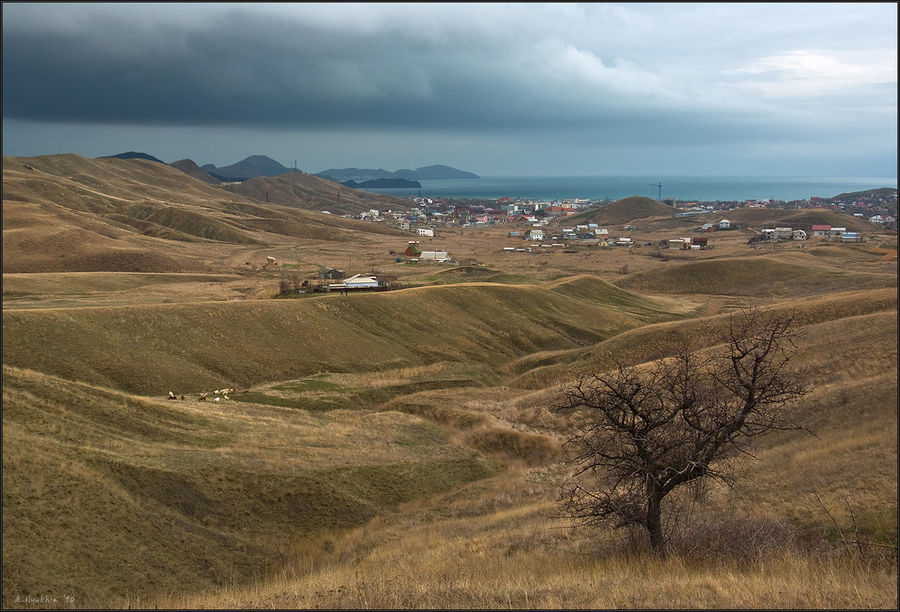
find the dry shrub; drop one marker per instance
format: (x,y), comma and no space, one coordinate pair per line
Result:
(734,538)
(534,449)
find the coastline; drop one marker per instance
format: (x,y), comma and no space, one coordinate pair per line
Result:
(699,188)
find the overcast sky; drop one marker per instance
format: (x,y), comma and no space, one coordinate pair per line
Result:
(498,89)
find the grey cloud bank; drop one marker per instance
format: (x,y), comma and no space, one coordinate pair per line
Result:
(492,88)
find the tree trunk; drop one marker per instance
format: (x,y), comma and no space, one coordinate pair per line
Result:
(654,523)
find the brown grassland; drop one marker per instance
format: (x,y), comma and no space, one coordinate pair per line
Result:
(395,449)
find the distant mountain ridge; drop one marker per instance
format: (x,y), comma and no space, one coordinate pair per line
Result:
(262,165)
(132,155)
(255,165)
(362,175)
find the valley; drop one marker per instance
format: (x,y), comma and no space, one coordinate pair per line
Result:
(395,449)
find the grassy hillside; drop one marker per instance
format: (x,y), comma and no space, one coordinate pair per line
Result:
(765,276)
(148,497)
(772,542)
(190,167)
(191,348)
(66,213)
(623,211)
(314,193)
(395,449)
(544,369)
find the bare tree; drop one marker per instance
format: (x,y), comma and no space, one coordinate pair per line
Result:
(643,431)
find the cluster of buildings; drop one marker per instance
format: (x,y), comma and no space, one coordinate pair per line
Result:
(822,232)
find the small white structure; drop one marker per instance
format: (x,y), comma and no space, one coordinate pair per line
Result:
(724,224)
(534,234)
(361,281)
(426,231)
(436,256)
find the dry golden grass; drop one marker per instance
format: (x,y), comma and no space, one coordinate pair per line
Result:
(396,450)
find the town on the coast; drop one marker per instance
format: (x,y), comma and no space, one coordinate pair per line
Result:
(539,225)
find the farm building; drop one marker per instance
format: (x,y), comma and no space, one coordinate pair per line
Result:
(361,281)
(851,237)
(679,243)
(357,282)
(783,233)
(413,250)
(437,256)
(724,224)
(425,231)
(699,242)
(534,234)
(821,230)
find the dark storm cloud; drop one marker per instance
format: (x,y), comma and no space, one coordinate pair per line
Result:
(742,75)
(238,67)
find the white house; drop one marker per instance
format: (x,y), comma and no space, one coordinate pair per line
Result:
(534,234)
(426,231)
(724,224)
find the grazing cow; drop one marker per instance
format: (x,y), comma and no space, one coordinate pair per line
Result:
(172,396)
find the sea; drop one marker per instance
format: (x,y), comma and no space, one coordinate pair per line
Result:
(688,188)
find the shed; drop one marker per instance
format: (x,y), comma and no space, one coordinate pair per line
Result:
(851,237)
(699,242)
(412,250)
(724,224)
(821,230)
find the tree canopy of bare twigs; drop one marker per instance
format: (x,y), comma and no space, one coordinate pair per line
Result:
(642,431)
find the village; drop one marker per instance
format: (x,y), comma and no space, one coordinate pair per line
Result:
(534,235)
(876,206)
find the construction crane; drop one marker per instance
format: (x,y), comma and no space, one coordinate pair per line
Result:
(658,185)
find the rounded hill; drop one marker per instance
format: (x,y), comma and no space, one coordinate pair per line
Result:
(624,211)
